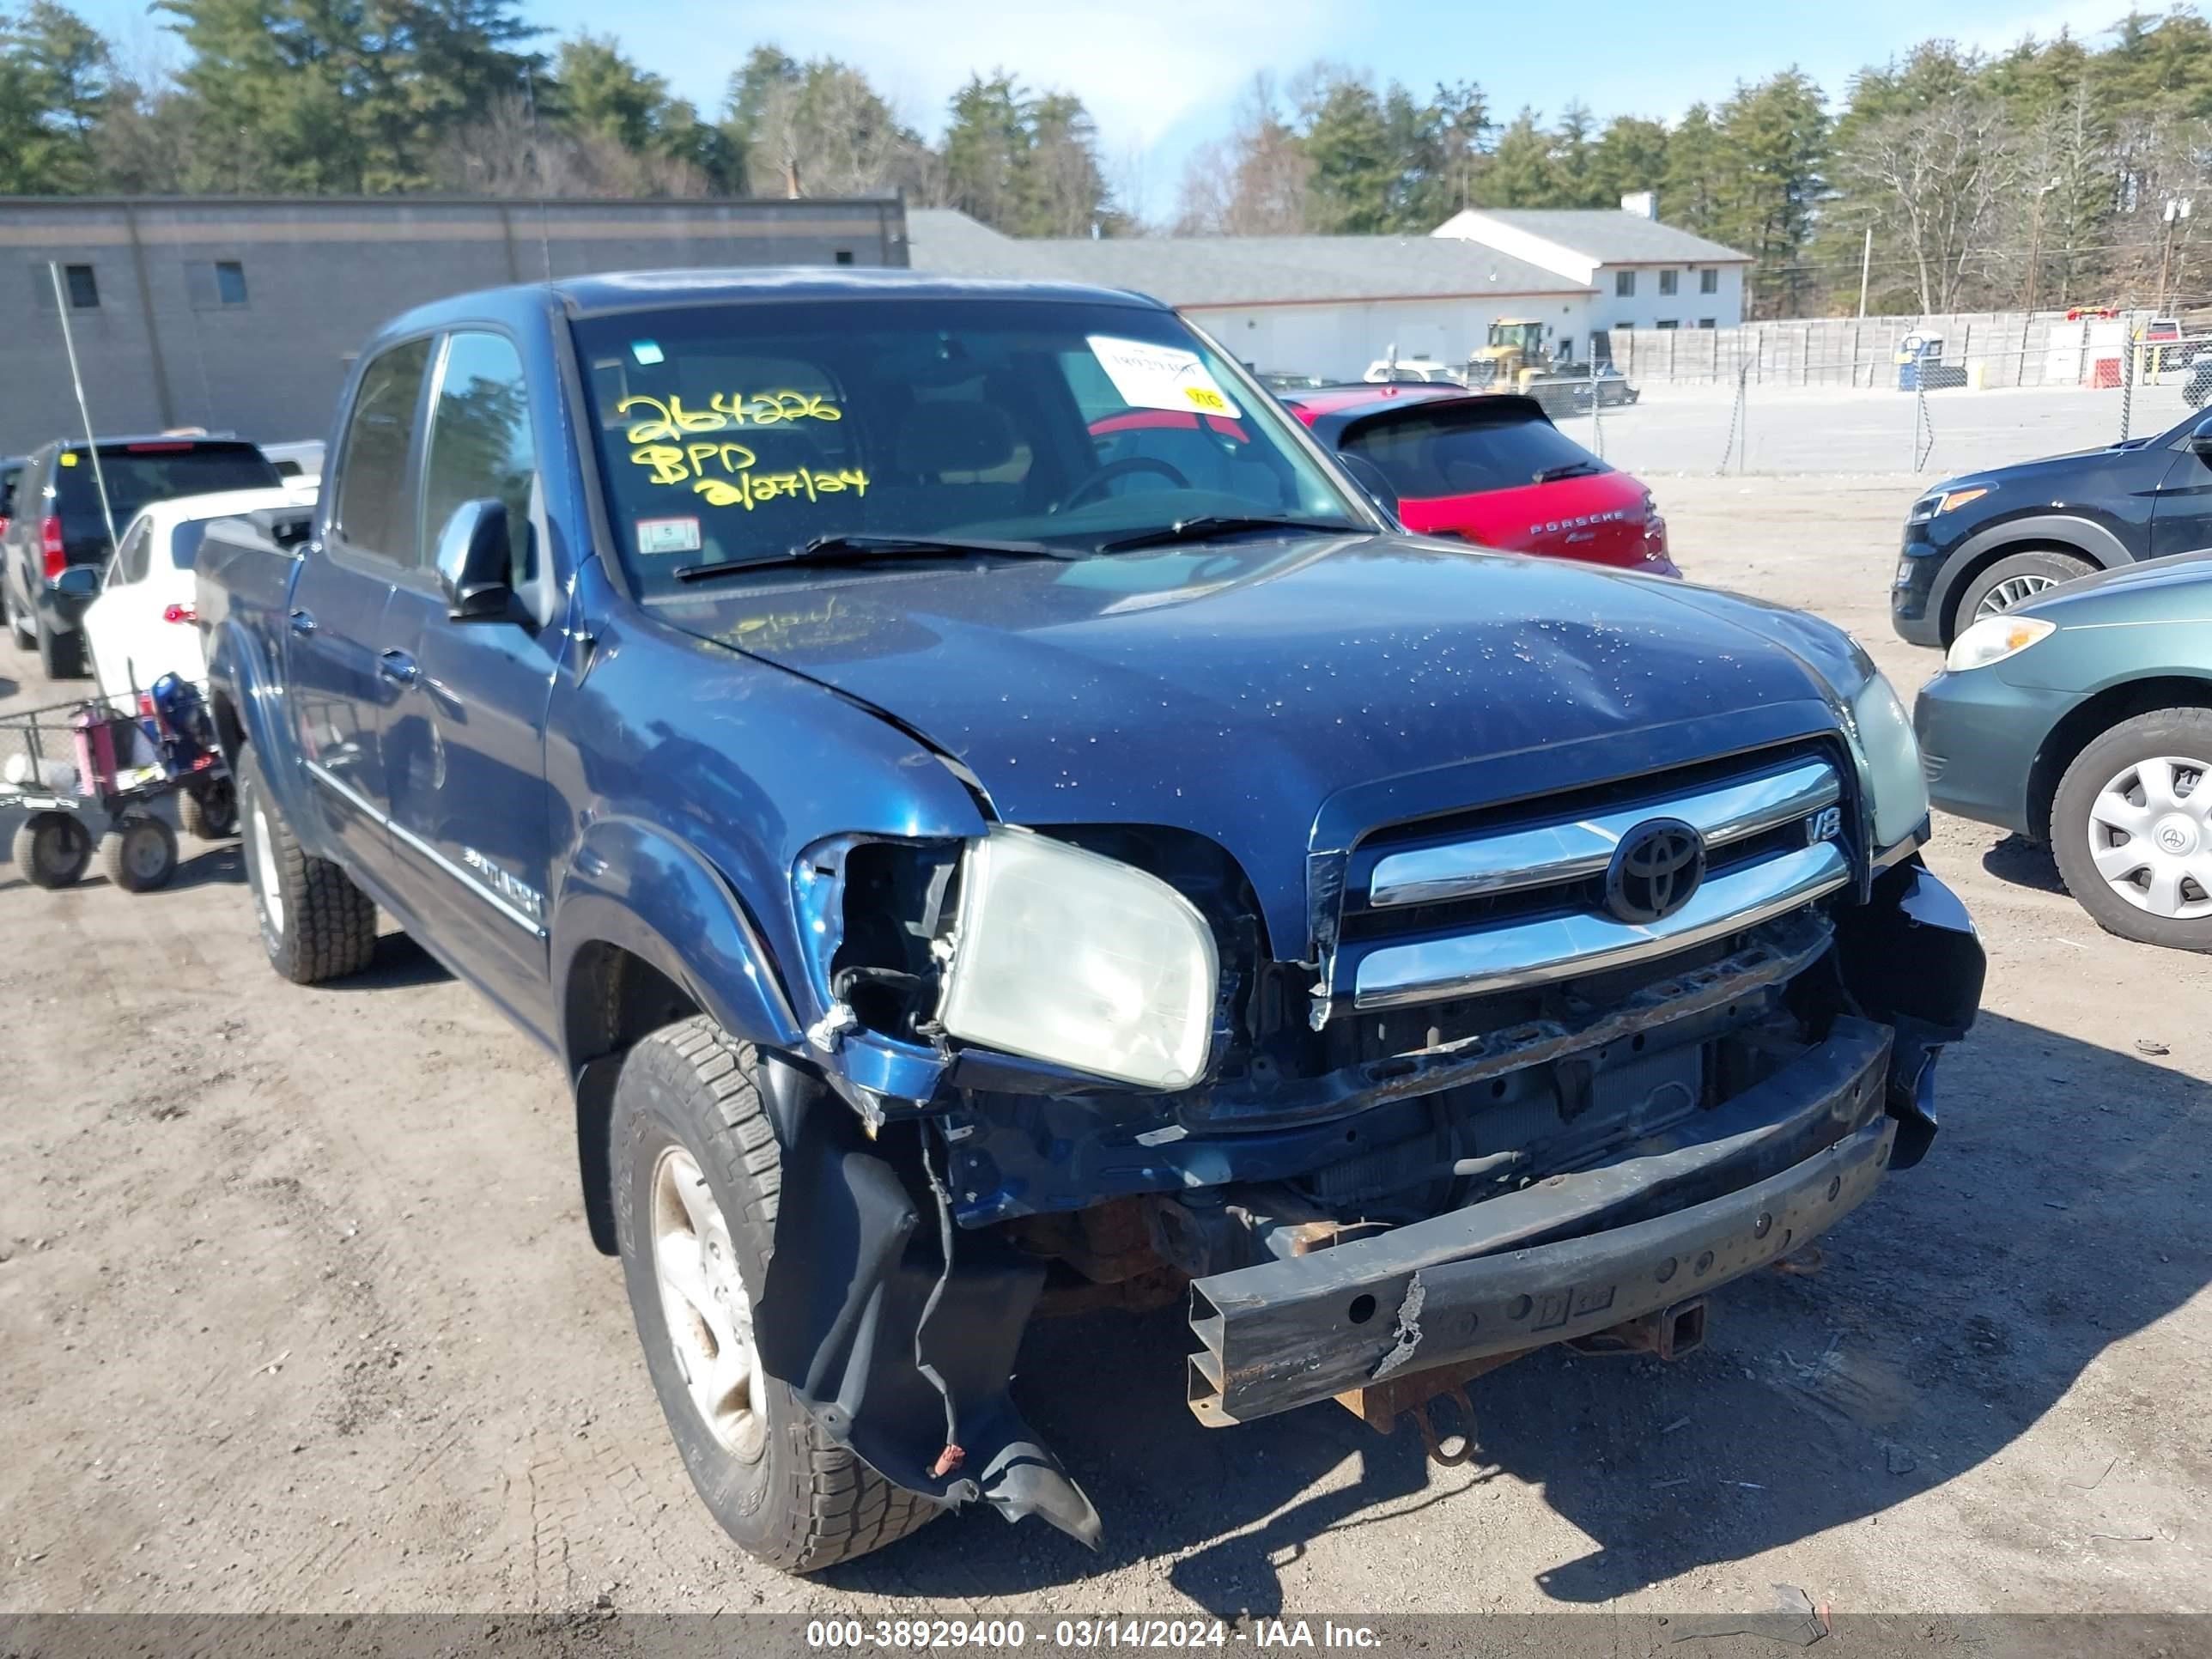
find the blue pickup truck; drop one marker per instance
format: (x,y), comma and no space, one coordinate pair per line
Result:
(977,855)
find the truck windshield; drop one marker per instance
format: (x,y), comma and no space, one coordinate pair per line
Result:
(735,432)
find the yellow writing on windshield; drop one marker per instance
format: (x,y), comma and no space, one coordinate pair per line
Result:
(672,465)
(751,489)
(670,421)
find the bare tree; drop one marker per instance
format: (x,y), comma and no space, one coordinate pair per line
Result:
(515,152)
(1256,182)
(1936,182)
(830,133)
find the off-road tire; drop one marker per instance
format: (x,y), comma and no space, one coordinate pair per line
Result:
(328,928)
(61,656)
(140,856)
(210,812)
(2047,564)
(52,850)
(805,1503)
(2180,731)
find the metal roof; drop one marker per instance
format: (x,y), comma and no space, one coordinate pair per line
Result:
(1612,237)
(1225,271)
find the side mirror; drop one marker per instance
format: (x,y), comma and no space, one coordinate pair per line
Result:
(475,557)
(78,581)
(2200,440)
(1369,477)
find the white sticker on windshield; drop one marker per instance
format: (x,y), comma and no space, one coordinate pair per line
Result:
(1159,377)
(667,536)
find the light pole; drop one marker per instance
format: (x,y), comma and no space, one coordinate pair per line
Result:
(2035,243)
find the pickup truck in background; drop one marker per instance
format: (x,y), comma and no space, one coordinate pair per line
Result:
(965,876)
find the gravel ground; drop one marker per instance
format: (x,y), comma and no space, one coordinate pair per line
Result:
(297,1312)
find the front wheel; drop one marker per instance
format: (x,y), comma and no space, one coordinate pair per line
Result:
(315,923)
(2132,829)
(697,1177)
(2015,580)
(141,855)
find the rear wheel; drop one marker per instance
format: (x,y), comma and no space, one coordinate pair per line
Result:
(26,637)
(697,1177)
(141,855)
(61,656)
(2132,829)
(211,812)
(315,923)
(52,849)
(2015,580)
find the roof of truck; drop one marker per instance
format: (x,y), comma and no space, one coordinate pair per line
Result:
(630,290)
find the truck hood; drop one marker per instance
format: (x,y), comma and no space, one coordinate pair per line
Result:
(1234,689)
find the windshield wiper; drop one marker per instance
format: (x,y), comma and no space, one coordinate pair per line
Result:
(840,549)
(1571,470)
(1207,527)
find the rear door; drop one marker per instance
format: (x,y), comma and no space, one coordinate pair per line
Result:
(340,683)
(113,622)
(462,742)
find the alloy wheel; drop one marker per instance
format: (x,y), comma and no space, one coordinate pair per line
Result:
(705,1306)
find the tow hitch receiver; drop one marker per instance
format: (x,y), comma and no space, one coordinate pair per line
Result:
(1667,1335)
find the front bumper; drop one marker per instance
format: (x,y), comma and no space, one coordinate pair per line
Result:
(1916,610)
(1746,1183)
(1979,737)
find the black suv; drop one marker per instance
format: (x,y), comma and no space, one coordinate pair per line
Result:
(55,521)
(1985,542)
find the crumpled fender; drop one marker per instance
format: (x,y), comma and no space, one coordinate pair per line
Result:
(845,1320)
(1912,959)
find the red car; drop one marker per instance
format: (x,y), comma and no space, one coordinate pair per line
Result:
(1491,467)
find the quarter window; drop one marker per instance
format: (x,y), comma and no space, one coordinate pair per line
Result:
(131,560)
(372,516)
(480,443)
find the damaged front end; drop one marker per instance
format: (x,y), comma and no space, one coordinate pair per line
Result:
(1510,1097)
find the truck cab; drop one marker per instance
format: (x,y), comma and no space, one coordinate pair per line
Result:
(968,867)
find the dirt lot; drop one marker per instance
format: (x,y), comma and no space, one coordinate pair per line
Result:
(297,1312)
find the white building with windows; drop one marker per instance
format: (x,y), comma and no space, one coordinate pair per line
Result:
(1642,274)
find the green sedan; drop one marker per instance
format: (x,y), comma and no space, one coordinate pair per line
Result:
(2084,720)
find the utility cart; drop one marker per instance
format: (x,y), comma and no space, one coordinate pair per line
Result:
(90,774)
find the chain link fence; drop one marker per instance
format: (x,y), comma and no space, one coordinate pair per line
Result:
(1921,408)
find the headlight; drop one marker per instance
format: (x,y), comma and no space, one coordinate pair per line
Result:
(1993,639)
(1063,956)
(1889,756)
(1945,500)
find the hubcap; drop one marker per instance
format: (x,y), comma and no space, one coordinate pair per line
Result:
(2150,836)
(704,1304)
(2012,591)
(264,871)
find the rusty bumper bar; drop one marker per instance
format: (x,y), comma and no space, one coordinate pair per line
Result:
(1754,1180)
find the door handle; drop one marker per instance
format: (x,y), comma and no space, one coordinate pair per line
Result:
(398,667)
(303,621)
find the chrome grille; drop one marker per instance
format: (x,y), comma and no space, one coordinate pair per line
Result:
(1516,903)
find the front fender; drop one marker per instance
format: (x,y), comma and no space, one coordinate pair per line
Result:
(633,885)
(2092,540)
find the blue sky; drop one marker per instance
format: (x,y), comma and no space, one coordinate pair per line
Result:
(1163,76)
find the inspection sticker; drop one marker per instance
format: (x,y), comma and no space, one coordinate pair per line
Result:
(667,536)
(1159,377)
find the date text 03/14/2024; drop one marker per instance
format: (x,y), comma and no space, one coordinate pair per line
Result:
(1005,1635)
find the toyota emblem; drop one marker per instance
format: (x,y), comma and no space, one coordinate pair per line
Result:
(1655,870)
